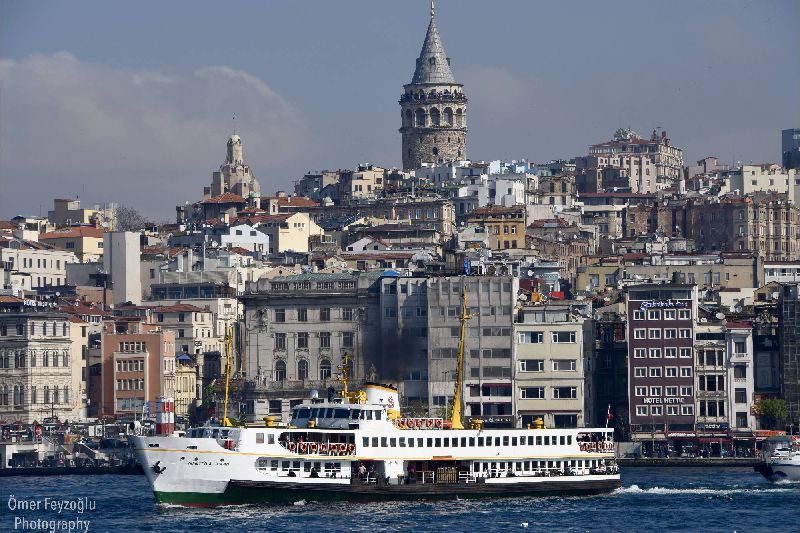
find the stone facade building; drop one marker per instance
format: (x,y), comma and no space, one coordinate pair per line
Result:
(433,108)
(234,175)
(36,376)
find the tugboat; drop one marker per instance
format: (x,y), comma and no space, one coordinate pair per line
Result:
(359,447)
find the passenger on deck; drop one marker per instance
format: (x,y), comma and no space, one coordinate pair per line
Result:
(362,471)
(314,473)
(292,474)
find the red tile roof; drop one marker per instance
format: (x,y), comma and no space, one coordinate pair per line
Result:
(73,232)
(738,325)
(179,308)
(10,299)
(226,198)
(299,201)
(7,224)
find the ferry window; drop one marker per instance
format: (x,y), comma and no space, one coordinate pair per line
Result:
(340,413)
(505,440)
(430,443)
(455,443)
(365,441)
(296,465)
(513,441)
(562,440)
(547,440)
(306,466)
(402,442)
(472,441)
(374,442)
(438,443)
(377,415)
(518,466)
(285,465)
(539,441)
(527,465)
(355,414)
(393,442)
(369,415)
(569,439)
(270,439)
(530,440)
(303,413)
(480,441)
(315,412)
(383,442)
(410,442)
(273,465)
(420,443)
(329,413)
(259,438)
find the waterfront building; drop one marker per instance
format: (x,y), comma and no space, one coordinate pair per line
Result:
(138,365)
(741,381)
(661,382)
(36,363)
(433,108)
(488,363)
(553,352)
(712,406)
(789,344)
(298,328)
(610,370)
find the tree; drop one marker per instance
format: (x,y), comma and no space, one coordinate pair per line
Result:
(129,219)
(773,411)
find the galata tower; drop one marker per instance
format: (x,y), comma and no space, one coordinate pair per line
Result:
(433,108)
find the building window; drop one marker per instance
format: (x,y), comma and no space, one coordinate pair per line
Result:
(655,353)
(655,372)
(654,314)
(639,333)
(302,340)
(325,314)
(639,353)
(686,353)
(531,365)
(347,339)
(280,315)
(669,314)
(740,395)
(685,333)
(302,369)
(687,410)
(280,341)
(637,314)
(655,333)
(564,365)
(640,372)
(686,314)
(641,391)
(324,369)
(347,314)
(325,339)
(563,337)
(280,371)
(641,410)
(740,347)
(532,393)
(302,315)
(670,353)
(531,337)
(671,371)
(565,393)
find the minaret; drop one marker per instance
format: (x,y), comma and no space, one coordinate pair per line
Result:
(433,108)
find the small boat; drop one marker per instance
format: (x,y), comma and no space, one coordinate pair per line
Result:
(781,461)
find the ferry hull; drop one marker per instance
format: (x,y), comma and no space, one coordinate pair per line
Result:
(248,492)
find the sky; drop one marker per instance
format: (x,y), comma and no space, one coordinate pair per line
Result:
(133,102)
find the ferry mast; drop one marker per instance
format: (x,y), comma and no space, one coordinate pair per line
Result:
(455,412)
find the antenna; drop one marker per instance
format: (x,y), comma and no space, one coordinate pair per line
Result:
(234,123)
(432,8)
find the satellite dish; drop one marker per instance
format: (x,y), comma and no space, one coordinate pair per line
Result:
(314,393)
(720,316)
(522,298)
(530,273)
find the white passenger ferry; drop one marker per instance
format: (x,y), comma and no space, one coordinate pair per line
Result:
(358,447)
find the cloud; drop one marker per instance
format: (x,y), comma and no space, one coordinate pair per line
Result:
(150,139)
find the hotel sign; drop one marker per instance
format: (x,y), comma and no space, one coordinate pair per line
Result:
(665,304)
(670,400)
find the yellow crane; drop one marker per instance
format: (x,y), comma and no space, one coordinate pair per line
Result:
(228,348)
(455,413)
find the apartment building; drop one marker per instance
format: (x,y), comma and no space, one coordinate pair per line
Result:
(741,382)
(86,242)
(33,265)
(552,366)
(504,226)
(138,365)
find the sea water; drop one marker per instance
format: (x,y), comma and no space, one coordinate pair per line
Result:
(651,499)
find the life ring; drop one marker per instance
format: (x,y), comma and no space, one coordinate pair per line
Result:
(303,447)
(439,423)
(429,423)
(292,446)
(351,448)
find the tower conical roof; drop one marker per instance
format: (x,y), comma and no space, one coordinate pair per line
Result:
(432,64)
